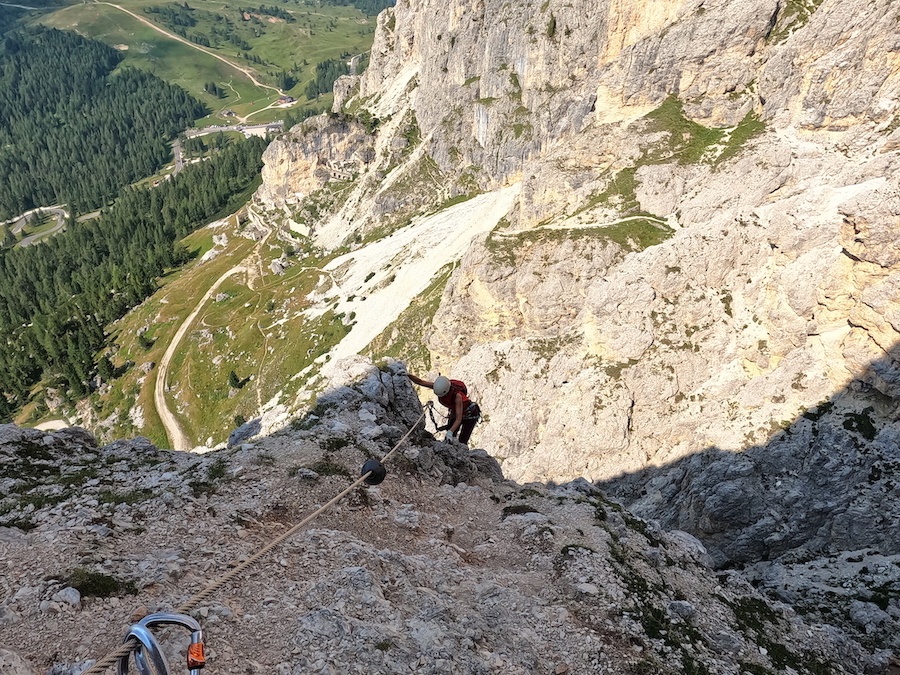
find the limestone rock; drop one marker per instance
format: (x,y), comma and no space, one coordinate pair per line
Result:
(314,151)
(444,567)
(13,664)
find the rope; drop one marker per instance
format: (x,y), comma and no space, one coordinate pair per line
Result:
(126,647)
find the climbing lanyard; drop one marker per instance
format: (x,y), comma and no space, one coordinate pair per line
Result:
(430,408)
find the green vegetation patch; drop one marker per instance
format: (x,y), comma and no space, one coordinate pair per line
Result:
(9,17)
(38,481)
(261,333)
(323,202)
(98,584)
(330,468)
(334,443)
(31,463)
(24,524)
(453,201)
(754,615)
(748,128)
(619,194)
(145,332)
(217,470)
(631,234)
(793,16)
(687,140)
(216,474)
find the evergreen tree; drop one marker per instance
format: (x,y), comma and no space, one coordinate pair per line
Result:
(70,129)
(326,73)
(57,298)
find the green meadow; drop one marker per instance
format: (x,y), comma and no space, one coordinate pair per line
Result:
(259,333)
(156,320)
(253,325)
(262,45)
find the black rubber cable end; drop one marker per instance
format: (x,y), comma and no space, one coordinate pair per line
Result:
(378,472)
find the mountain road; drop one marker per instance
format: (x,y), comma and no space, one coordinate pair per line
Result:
(176,435)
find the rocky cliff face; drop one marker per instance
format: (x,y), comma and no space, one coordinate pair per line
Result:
(694,299)
(444,567)
(702,248)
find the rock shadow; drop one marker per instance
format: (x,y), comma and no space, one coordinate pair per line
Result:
(829,481)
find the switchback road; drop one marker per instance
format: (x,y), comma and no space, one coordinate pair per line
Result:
(246,71)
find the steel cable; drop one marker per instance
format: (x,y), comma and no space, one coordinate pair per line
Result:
(125,648)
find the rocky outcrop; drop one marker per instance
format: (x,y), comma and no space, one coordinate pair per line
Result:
(698,285)
(819,487)
(320,150)
(444,567)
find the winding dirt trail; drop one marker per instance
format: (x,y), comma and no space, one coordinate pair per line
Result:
(246,71)
(177,437)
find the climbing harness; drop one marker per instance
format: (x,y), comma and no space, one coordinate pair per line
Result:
(141,639)
(148,657)
(472,412)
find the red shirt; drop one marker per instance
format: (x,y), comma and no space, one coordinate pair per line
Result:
(448,400)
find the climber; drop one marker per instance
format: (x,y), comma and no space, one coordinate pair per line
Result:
(453,394)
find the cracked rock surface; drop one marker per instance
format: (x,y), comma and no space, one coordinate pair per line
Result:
(444,567)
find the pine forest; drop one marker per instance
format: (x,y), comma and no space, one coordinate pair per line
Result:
(73,131)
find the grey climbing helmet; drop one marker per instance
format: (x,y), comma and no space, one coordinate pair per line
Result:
(441,385)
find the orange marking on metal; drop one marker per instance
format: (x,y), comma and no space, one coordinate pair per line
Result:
(196,658)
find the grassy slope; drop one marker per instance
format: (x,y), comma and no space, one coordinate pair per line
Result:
(319,34)
(160,316)
(259,333)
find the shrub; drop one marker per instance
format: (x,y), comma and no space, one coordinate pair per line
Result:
(99,585)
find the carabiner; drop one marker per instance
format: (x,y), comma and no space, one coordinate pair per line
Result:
(148,657)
